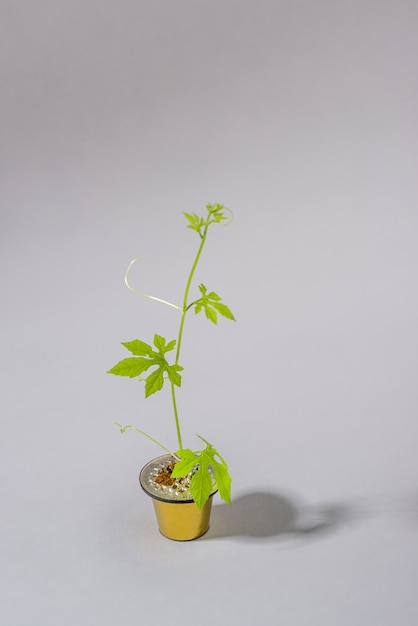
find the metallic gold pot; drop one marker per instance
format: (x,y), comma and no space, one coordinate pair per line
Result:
(177,515)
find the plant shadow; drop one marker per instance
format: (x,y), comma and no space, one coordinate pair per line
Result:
(261,515)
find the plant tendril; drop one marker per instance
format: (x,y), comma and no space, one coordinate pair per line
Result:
(231,217)
(123,428)
(142,293)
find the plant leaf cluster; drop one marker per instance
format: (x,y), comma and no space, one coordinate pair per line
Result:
(212,305)
(202,462)
(146,357)
(216,214)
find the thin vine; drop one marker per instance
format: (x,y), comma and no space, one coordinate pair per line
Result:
(146,356)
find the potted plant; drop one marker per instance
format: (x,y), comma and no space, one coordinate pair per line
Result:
(181,483)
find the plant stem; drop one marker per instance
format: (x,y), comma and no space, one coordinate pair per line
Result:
(176,416)
(183,318)
(186,293)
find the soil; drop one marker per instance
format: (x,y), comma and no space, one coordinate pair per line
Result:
(164,476)
(163,479)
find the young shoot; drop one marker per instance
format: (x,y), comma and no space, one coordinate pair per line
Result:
(151,363)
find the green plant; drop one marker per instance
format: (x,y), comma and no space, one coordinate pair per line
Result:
(147,357)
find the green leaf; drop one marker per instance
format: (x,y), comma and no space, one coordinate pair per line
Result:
(173,374)
(135,366)
(188,462)
(154,382)
(162,346)
(223,480)
(216,213)
(159,343)
(196,222)
(211,314)
(190,218)
(223,310)
(170,346)
(201,486)
(220,469)
(140,348)
(132,367)
(211,304)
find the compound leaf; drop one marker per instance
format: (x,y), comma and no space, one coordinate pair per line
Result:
(211,303)
(204,462)
(147,357)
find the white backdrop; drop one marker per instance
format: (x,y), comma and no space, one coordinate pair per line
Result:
(302,118)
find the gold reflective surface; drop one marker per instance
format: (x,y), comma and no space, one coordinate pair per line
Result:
(182,521)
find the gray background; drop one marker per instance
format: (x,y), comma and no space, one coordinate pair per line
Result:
(301,117)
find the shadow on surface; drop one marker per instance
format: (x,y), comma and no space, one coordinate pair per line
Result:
(261,515)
